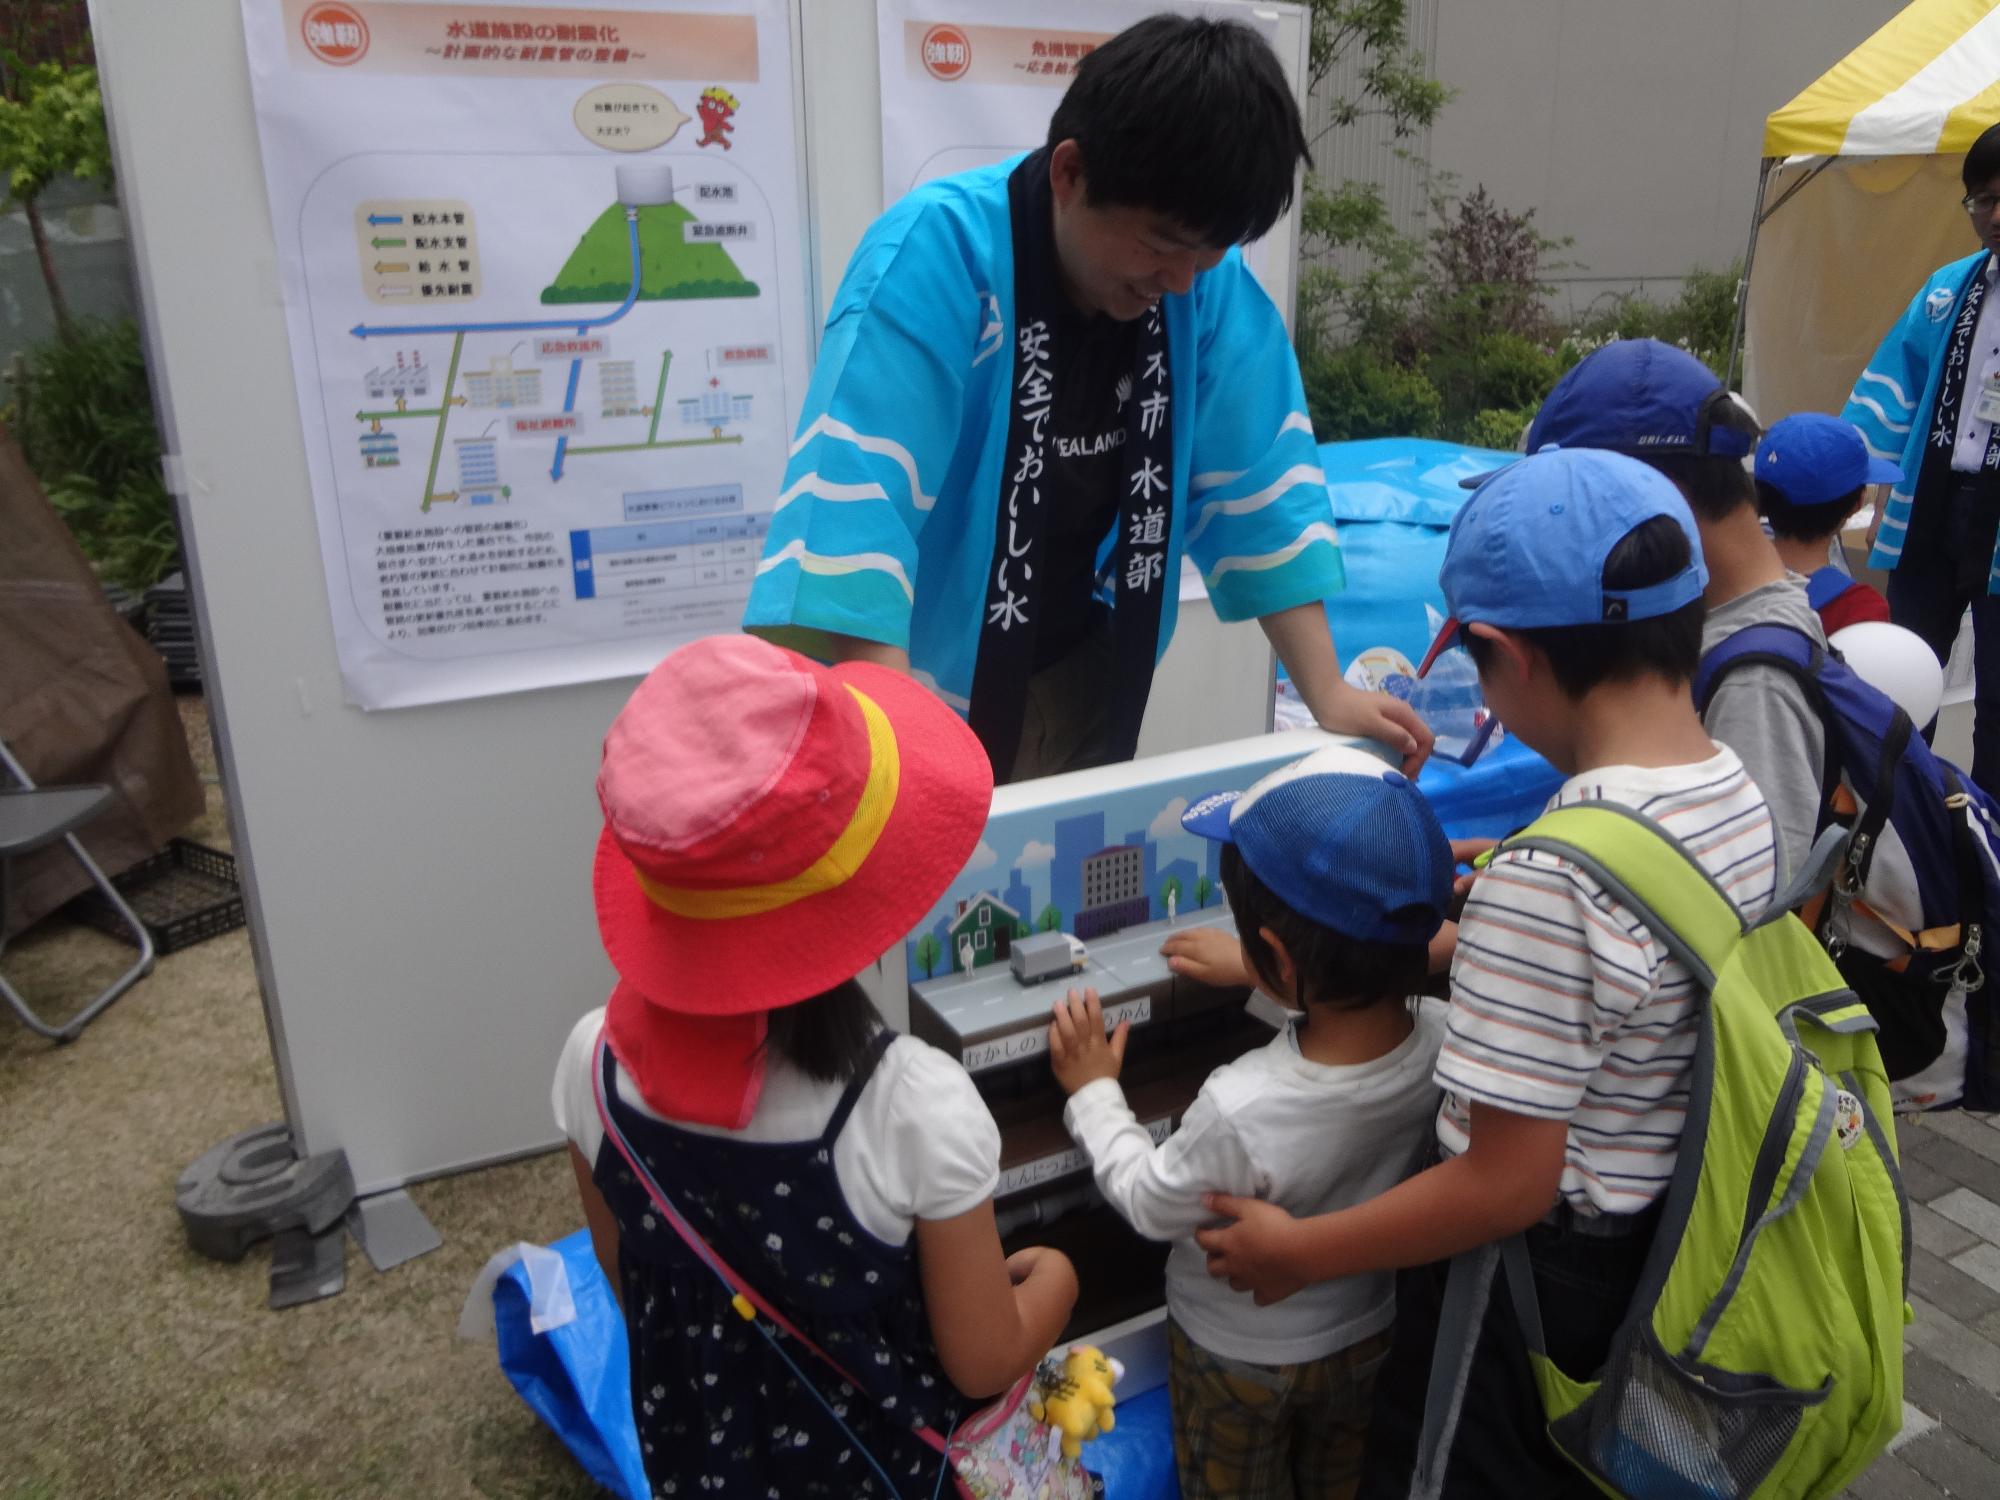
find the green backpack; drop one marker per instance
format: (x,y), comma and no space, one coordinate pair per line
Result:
(1763,1351)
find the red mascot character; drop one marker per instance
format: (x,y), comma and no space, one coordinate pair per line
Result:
(715,107)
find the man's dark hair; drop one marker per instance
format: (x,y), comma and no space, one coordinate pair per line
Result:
(1189,118)
(1331,968)
(826,1037)
(1982,161)
(1715,487)
(1805,523)
(1669,645)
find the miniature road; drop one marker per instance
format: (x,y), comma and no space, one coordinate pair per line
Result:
(1124,963)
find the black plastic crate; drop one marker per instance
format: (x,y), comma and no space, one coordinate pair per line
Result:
(185,894)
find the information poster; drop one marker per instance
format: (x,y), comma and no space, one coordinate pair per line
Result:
(542,268)
(961,91)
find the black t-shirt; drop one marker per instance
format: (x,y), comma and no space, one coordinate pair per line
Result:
(1084,469)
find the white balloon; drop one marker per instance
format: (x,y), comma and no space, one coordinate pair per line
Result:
(1896,663)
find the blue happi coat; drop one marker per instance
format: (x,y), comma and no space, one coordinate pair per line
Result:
(884,528)
(1894,400)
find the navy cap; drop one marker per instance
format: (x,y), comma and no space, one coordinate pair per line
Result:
(1641,396)
(1342,840)
(1528,548)
(1815,459)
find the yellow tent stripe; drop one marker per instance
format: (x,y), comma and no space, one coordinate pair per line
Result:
(1963,125)
(1816,122)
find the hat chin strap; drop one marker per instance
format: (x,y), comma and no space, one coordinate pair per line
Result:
(834,868)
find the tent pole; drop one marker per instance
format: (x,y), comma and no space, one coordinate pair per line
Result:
(1743,285)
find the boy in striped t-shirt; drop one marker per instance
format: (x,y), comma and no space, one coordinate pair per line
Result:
(1576,579)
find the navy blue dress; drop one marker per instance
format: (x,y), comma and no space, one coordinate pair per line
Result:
(718,1411)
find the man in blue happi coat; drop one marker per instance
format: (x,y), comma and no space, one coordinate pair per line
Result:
(1929,401)
(1043,382)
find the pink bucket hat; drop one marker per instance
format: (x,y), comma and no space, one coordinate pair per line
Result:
(771,828)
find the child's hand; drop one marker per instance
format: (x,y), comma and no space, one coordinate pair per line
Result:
(1253,1254)
(1207,955)
(1079,1053)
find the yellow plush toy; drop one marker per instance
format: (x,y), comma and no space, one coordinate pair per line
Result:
(1078,1399)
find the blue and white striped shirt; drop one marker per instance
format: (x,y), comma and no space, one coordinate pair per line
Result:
(1565,1007)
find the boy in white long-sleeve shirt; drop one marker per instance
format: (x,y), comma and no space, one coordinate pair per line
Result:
(1338,875)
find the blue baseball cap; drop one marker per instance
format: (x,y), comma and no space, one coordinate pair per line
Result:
(1528,548)
(1342,840)
(1641,396)
(1815,459)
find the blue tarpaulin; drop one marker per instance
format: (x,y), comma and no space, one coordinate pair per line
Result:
(1393,500)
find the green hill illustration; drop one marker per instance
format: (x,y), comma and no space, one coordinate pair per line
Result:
(670,269)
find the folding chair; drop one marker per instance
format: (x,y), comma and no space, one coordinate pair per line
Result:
(31,818)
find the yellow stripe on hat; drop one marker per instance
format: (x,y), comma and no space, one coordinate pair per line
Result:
(833,868)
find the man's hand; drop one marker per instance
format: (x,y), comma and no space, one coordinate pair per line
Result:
(1300,637)
(1377,716)
(1254,1254)
(1208,955)
(1079,1052)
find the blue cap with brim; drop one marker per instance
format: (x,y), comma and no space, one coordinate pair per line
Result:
(1343,840)
(1528,549)
(1641,396)
(1814,459)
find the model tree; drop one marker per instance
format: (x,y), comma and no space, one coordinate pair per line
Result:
(929,951)
(1050,920)
(1204,890)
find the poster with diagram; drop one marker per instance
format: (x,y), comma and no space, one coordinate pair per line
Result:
(544,284)
(966,83)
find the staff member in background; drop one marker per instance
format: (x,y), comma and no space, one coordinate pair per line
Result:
(1929,401)
(1041,382)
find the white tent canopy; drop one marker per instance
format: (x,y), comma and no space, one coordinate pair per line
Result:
(1859,199)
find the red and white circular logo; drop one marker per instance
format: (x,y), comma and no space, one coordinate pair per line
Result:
(335,34)
(947,53)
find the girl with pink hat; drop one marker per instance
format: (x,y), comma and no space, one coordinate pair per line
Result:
(794,1204)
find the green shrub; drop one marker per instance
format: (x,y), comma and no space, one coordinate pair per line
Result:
(1700,320)
(1498,427)
(84,415)
(1353,393)
(1494,371)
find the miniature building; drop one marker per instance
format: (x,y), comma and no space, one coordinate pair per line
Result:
(1114,891)
(985,924)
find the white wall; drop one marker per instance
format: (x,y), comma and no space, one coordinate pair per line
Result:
(1631,125)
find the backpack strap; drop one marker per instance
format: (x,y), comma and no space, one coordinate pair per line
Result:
(1800,657)
(1678,900)
(1971,885)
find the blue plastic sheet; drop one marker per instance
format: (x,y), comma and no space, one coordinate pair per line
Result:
(1393,500)
(576,1378)
(1505,789)
(1135,1459)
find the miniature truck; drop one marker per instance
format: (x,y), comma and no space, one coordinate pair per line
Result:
(1045,955)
